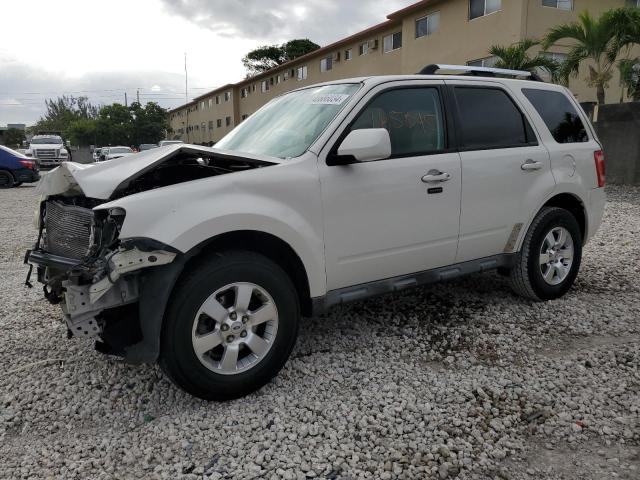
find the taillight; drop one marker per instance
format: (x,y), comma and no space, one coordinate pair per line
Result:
(600,167)
(28,164)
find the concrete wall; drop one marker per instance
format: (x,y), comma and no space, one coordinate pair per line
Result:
(618,126)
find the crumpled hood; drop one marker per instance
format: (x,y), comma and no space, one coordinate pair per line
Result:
(101,180)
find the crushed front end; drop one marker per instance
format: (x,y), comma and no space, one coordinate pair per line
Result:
(96,277)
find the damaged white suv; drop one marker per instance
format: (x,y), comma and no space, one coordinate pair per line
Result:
(204,259)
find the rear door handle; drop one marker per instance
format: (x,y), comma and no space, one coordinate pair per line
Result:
(436,176)
(531,165)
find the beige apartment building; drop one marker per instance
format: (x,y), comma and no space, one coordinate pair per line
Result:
(429,31)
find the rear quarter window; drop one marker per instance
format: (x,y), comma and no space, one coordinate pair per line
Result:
(559,115)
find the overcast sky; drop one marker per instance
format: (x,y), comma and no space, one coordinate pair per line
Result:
(102,49)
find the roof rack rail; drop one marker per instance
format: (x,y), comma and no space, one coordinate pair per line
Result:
(433,69)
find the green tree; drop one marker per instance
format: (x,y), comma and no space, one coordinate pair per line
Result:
(516,57)
(62,111)
(593,40)
(269,56)
(114,125)
(14,137)
(627,27)
(630,77)
(82,132)
(149,123)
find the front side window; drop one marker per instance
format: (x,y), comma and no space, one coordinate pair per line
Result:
(392,42)
(480,8)
(559,4)
(428,25)
(288,125)
(490,119)
(559,115)
(326,64)
(412,116)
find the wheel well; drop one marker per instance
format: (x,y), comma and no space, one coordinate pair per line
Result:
(271,247)
(573,205)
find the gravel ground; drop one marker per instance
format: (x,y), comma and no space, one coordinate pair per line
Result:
(459,380)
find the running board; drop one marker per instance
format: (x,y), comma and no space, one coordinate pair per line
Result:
(379,287)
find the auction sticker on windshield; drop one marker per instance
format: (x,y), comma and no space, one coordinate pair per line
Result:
(329,99)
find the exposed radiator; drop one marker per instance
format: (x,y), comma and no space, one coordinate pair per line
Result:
(68,230)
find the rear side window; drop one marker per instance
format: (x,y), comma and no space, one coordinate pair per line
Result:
(558,114)
(489,119)
(412,116)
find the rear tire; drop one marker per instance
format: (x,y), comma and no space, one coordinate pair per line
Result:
(548,263)
(230,327)
(6,179)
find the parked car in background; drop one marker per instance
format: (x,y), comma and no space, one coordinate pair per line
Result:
(204,259)
(16,168)
(103,153)
(164,143)
(147,146)
(47,150)
(118,152)
(96,154)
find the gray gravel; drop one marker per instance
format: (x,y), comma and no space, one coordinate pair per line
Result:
(455,380)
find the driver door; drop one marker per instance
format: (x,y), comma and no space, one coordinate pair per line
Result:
(401,215)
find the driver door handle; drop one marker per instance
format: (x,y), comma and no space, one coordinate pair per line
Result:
(530,165)
(436,176)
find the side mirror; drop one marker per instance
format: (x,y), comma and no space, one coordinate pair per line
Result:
(364,145)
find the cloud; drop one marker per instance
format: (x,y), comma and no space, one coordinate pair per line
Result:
(24,88)
(322,21)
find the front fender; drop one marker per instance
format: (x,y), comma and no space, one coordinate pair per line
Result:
(283,201)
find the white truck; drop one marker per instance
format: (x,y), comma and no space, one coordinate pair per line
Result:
(47,150)
(204,259)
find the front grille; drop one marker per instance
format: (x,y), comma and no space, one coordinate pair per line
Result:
(68,230)
(46,153)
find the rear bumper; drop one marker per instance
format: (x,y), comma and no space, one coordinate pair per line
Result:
(25,175)
(597,201)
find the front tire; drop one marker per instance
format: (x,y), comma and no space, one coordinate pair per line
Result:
(548,263)
(230,326)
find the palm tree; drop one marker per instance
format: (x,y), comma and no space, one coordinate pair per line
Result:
(515,57)
(592,40)
(627,25)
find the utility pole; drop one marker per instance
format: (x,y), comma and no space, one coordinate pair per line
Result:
(138,94)
(186,92)
(125,100)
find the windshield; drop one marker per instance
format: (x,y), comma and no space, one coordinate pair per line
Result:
(46,141)
(288,125)
(120,150)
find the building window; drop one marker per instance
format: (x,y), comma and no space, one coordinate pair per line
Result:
(264,86)
(244,92)
(217,99)
(244,117)
(227,121)
(210,124)
(363,49)
(560,4)
(253,87)
(480,8)
(202,105)
(326,64)
(277,79)
(219,123)
(633,3)
(285,76)
(210,102)
(483,62)
(227,96)
(302,73)
(348,54)
(392,42)
(428,25)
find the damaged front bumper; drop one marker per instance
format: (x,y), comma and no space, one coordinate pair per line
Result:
(94,296)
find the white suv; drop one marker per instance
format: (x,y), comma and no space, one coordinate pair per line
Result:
(205,259)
